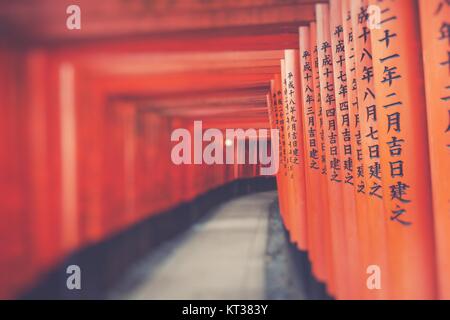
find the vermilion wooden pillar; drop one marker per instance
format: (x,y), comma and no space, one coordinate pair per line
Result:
(345,138)
(291,181)
(403,145)
(130,151)
(334,163)
(357,164)
(377,247)
(275,124)
(434,16)
(278,112)
(323,191)
(52,234)
(114,185)
(91,134)
(297,156)
(17,261)
(313,177)
(181,175)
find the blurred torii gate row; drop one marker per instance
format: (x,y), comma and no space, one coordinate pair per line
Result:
(80,105)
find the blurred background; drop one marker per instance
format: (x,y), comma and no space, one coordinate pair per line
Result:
(86,117)
(93,206)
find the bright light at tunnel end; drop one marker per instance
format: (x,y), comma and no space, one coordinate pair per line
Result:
(235,140)
(228,142)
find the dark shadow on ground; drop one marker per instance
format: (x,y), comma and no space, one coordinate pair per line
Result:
(288,270)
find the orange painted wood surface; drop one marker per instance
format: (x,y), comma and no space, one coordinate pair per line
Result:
(344,137)
(313,178)
(402,129)
(297,149)
(375,220)
(333,160)
(362,114)
(436,47)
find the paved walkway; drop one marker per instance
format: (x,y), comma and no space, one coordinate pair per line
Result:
(224,256)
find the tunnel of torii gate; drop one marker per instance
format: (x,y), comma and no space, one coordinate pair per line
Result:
(97,98)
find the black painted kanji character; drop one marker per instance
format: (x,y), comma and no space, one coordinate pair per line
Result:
(339,29)
(325,46)
(358,132)
(343,106)
(329,86)
(371,112)
(394,121)
(307,67)
(367,93)
(375,190)
(359,154)
(387,36)
(335,163)
(395,146)
(444,31)
(392,104)
(364,54)
(307,76)
(374,151)
(360,172)
(347,149)
(343,90)
(348,164)
(396,214)
(314,165)
(361,187)
(365,34)
(332,124)
(447,62)
(398,191)
(373,134)
(387,58)
(387,19)
(390,75)
(340,47)
(348,178)
(375,170)
(341,60)
(327,72)
(348,17)
(345,120)
(330,99)
(342,76)
(441,5)
(333,137)
(396,168)
(354,86)
(367,73)
(334,176)
(363,15)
